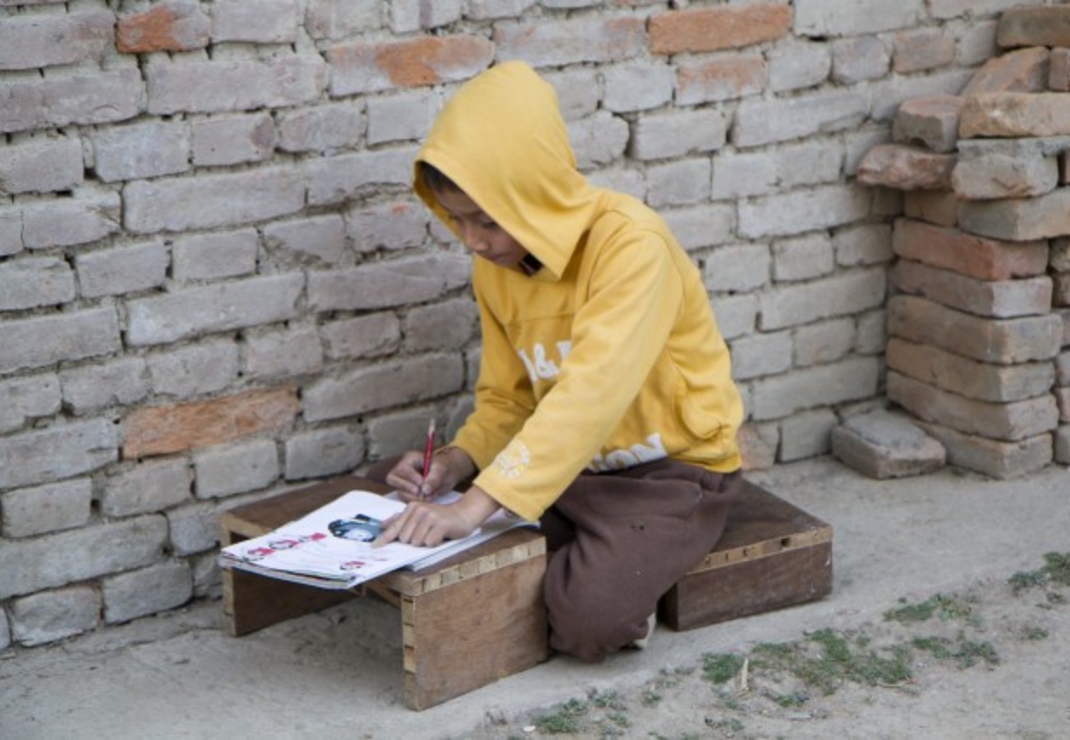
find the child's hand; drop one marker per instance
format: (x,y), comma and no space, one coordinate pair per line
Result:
(448,468)
(426,524)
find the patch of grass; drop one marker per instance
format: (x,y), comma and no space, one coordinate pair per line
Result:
(965,653)
(721,667)
(1056,570)
(564,719)
(945,608)
(1032,633)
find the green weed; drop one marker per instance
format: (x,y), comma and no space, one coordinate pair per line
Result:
(1056,570)
(721,667)
(563,720)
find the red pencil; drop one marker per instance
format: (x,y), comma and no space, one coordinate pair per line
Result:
(428,447)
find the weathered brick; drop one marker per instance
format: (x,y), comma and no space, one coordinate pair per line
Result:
(824,342)
(1008,422)
(34,282)
(868,244)
(54,615)
(383,386)
(838,295)
(234,140)
(41,166)
(666,135)
(761,355)
(977,43)
(194,370)
(387,283)
(48,339)
(637,86)
(998,341)
(255,21)
(1034,26)
(738,175)
(236,85)
(368,67)
(283,354)
(579,41)
(922,49)
(336,19)
(10,232)
(1015,115)
(52,102)
(1062,369)
(387,226)
(997,299)
(724,78)
(235,468)
(372,335)
(154,589)
(323,452)
(802,258)
(319,238)
(194,529)
(931,120)
(599,139)
(450,325)
(778,396)
(67,222)
(883,444)
(336,179)
(945,9)
(758,445)
(32,41)
(209,201)
(800,211)
(23,399)
(213,308)
(1022,70)
(56,452)
(320,129)
(407,16)
(49,508)
(995,458)
(761,122)
(938,207)
(147,487)
(1019,219)
(906,167)
(714,29)
(890,92)
(1061,289)
(990,169)
(122,269)
(215,256)
(400,117)
(677,183)
(141,150)
(798,66)
(1059,70)
(967,254)
(737,268)
(160,430)
(1062,398)
(856,60)
(981,381)
(806,435)
(92,387)
(172,25)
(701,226)
(1062,444)
(822,18)
(491,9)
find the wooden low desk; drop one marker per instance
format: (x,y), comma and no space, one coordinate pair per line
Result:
(443,636)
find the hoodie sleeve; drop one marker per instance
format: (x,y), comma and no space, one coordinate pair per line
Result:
(619,331)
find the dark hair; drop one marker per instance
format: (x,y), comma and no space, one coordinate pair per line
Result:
(434,179)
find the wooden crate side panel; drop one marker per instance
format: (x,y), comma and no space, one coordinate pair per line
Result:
(252,602)
(474,632)
(750,587)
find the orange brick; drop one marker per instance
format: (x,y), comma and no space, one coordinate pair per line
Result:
(161,430)
(725,78)
(967,254)
(1024,70)
(710,29)
(167,27)
(428,60)
(927,48)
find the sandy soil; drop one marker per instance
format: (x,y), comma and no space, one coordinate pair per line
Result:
(991,661)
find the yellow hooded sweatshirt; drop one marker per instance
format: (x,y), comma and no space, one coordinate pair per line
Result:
(606,357)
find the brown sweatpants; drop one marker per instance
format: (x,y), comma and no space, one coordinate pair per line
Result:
(619,541)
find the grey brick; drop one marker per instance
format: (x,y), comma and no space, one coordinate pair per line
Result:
(737,315)
(41,165)
(236,85)
(23,399)
(32,41)
(146,591)
(824,342)
(838,295)
(323,452)
(679,183)
(336,19)
(706,225)
(395,225)
(888,93)
(215,256)
(778,396)
(806,435)
(883,444)
(65,223)
(372,335)
(871,334)
(859,59)
(853,17)
(598,139)
(45,562)
(122,269)
(10,231)
(147,487)
(35,282)
(209,201)
(320,237)
(400,117)
(798,66)
(737,268)
(578,91)
(236,468)
(321,129)
(637,86)
(54,615)
(118,382)
(59,451)
(49,508)
(868,244)
(44,340)
(257,21)
(52,102)
(1062,448)
(738,175)
(761,355)
(761,122)
(194,529)
(280,354)
(5,631)
(383,386)
(802,258)
(141,150)
(992,457)
(335,179)
(1062,369)
(666,135)
(197,369)
(585,39)
(388,283)
(407,16)
(213,308)
(449,325)
(233,140)
(1019,219)
(797,212)
(995,298)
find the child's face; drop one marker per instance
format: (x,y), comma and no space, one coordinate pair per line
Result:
(479,233)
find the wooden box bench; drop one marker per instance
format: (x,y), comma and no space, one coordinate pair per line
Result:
(772,555)
(488,594)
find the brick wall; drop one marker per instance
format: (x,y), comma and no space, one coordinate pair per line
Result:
(214,283)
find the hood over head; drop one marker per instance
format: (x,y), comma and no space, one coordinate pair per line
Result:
(502,140)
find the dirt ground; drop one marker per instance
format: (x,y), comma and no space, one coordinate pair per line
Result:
(990,661)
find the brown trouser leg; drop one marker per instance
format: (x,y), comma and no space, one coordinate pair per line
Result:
(620,541)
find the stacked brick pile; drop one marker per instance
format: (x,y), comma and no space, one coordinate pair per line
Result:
(979,326)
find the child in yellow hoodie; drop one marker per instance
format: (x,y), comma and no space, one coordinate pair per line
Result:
(605,407)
